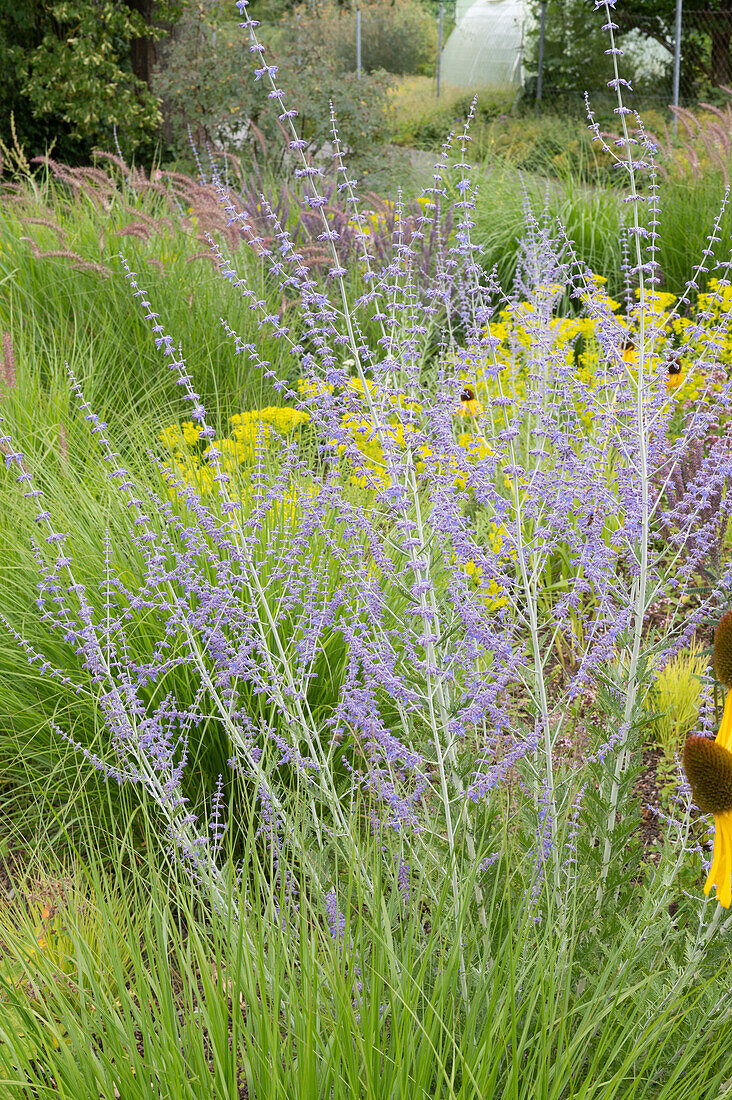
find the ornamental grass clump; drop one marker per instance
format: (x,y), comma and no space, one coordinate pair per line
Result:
(423,638)
(675,702)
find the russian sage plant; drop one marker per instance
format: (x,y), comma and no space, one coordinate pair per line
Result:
(468,549)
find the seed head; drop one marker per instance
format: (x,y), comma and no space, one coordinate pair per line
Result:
(723,650)
(708,768)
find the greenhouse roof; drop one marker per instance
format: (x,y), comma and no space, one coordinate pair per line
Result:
(485,49)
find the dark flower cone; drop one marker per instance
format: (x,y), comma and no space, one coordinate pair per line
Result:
(723,650)
(708,768)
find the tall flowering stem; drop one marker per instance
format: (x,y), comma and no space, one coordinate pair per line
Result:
(449,523)
(402,312)
(642,270)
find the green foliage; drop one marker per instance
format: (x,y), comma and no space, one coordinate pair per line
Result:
(312,79)
(706,38)
(574,47)
(549,145)
(74,299)
(206,81)
(74,305)
(399,37)
(315,71)
(592,219)
(361,106)
(123,988)
(21,29)
(79,73)
(593,216)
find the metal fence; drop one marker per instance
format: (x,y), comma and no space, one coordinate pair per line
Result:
(681,58)
(552,49)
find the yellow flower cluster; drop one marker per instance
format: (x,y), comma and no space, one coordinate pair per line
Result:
(370,444)
(190,454)
(491,593)
(180,436)
(363,396)
(184,444)
(309,387)
(575,343)
(369,404)
(279,417)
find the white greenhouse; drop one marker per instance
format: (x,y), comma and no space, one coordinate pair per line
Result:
(486,47)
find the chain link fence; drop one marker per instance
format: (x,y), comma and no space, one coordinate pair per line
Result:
(679,63)
(547,51)
(555,50)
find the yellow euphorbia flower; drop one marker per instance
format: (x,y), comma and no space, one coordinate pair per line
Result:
(280,417)
(174,437)
(191,432)
(233,452)
(312,387)
(492,595)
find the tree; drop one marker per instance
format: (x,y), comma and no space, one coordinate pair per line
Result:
(75,68)
(706,34)
(21,30)
(574,46)
(574,58)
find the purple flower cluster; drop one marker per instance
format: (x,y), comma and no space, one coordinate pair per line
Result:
(577,505)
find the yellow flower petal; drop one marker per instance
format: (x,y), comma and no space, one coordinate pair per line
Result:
(720,874)
(724,735)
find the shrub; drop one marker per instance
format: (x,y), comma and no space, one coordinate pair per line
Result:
(398,37)
(420,637)
(78,72)
(361,106)
(203,81)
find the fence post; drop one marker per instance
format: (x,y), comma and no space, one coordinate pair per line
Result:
(540,66)
(677,60)
(439,48)
(358,43)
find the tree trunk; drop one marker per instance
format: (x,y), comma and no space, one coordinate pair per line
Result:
(143,54)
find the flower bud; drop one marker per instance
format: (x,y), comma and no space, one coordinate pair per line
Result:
(708,768)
